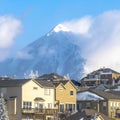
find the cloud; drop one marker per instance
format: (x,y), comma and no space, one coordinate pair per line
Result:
(79,26)
(99,39)
(23,55)
(10,27)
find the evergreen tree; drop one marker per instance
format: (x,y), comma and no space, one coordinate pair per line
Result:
(3,111)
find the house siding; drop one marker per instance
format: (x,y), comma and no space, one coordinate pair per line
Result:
(63,95)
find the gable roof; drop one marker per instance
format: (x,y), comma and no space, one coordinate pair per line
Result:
(13,83)
(105,95)
(104,70)
(57,83)
(63,82)
(101,87)
(45,83)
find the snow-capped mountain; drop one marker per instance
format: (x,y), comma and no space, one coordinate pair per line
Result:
(57,52)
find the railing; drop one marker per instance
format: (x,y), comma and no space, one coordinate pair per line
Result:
(40,111)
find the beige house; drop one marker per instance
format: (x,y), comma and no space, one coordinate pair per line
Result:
(29,99)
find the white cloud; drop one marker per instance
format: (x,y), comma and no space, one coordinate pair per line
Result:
(100,42)
(80,26)
(10,27)
(23,55)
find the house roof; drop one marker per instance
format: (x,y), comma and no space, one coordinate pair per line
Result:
(91,112)
(103,94)
(101,87)
(56,83)
(87,114)
(39,99)
(114,92)
(105,70)
(45,83)
(13,83)
(51,76)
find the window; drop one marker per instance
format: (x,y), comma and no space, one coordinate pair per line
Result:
(35,88)
(27,105)
(79,106)
(61,89)
(88,105)
(104,105)
(117,104)
(38,105)
(49,118)
(70,107)
(47,91)
(111,104)
(61,107)
(49,105)
(71,92)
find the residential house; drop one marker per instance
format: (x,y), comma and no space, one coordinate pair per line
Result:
(29,99)
(65,96)
(102,75)
(100,101)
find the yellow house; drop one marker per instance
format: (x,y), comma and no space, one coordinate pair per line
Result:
(65,95)
(29,99)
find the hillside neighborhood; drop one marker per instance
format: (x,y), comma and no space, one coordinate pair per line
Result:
(54,97)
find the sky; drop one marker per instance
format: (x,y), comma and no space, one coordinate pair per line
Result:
(24,21)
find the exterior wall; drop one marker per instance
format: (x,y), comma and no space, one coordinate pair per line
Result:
(63,95)
(115,75)
(29,94)
(113,105)
(16,110)
(96,105)
(83,105)
(103,109)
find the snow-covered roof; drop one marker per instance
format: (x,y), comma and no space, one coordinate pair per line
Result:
(88,96)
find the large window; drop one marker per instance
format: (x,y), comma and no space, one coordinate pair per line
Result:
(70,107)
(27,105)
(47,91)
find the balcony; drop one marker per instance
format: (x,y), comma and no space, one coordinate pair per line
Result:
(39,111)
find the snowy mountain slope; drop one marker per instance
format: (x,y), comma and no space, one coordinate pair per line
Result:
(57,51)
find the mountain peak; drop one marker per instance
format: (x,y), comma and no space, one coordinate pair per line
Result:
(60,27)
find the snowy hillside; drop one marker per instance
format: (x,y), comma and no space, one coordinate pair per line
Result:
(57,51)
